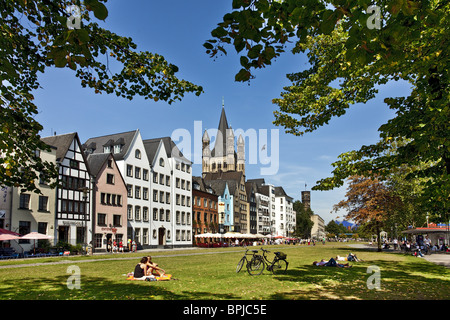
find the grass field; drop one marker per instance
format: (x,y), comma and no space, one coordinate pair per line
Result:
(210,274)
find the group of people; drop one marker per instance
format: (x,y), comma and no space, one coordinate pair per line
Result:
(115,246)
(333,262)
(147,270)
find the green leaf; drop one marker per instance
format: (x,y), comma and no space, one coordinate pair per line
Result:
(100,11)
(208,45)
(242,75)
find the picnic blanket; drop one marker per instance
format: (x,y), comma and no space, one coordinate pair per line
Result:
(155,278)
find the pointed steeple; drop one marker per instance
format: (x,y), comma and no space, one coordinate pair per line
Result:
(220,144)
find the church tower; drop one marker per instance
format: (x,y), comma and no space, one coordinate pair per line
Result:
(223,157)
(206,152)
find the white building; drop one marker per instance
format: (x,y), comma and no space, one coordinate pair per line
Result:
(174,192)
(284,214)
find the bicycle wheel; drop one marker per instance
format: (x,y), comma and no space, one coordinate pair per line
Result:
(279,267)
(255,266)
(240,264)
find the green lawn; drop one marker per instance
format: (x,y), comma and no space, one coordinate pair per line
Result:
(210,274)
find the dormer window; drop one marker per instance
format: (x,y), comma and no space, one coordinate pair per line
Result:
(106,149)
(117,148)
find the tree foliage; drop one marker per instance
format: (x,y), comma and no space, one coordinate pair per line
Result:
(303,223)
(368,201)
(349,59)
(36,35)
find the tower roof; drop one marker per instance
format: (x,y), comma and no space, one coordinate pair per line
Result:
(220,146)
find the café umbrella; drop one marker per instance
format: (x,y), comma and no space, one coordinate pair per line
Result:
(36,236)
(8,235)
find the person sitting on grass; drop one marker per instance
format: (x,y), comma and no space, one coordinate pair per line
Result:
(330,263)
(141,270)
(154,269)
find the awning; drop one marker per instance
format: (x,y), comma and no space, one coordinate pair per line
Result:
(426,230)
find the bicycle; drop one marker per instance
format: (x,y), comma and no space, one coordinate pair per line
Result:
(260,262)
(245,260)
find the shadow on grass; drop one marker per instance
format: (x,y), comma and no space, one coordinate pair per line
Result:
(95,288)
(407,280)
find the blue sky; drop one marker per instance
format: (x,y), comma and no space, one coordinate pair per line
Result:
(177,30)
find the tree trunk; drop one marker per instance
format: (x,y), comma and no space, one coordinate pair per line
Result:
(378,236)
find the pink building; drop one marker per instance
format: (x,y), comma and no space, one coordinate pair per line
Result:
(110,202)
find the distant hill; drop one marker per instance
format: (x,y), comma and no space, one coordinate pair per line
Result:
(346,224)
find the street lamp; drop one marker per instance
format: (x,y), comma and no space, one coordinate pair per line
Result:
(85,191)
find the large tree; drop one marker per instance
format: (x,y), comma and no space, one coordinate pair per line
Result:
(303,222)
(368,201)
(36,35)
(353,49)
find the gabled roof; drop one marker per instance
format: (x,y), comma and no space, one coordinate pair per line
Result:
(203,186)
(151,146)
(96,162)
(61,143)
(279,192)
(220,185)
(125,139)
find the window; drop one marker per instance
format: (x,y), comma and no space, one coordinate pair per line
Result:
(24,201)
(167,197)
(161,162)
(130,190)
(110,163)
(117,220)
(161,197)
(109,178)
(137,213)
(155,177)
(145,193)
(43,202)
(161,179)
(137,172)
(130,212)
(145,213)
(155,195)
(129,170)
(101,219)
(155,214)
(137,192)
(137,154)
(168,215)
(161,214)
(177,182)
(145,174)
(74,164)
(168,181)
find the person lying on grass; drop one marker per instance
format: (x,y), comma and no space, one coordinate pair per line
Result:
(154,269)
(330,263)
(350,257)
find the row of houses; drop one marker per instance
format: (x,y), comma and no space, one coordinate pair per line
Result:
(122,187)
